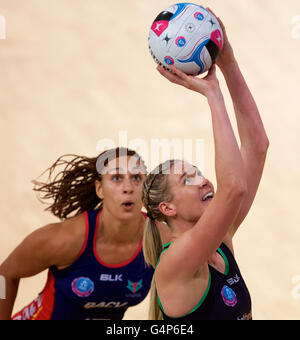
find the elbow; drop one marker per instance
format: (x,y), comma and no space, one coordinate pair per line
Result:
(7,274)
(234,185)
(239,191)
(236,191)
(236,196)
(264,145)
(259,145)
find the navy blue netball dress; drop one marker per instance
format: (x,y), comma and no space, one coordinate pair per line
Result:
(89,288)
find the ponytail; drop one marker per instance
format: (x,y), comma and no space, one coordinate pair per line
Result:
(152,249)
(155,190)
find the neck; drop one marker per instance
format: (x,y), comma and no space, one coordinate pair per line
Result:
(178,227)
(114,230)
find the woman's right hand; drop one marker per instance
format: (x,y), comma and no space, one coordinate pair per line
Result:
(206,86)
(226,56)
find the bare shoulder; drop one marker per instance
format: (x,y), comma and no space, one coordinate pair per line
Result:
(67,239)
(58,244)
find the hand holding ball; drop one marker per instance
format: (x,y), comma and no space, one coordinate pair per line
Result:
(187,36)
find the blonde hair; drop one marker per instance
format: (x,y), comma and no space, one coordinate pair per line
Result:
(155,190)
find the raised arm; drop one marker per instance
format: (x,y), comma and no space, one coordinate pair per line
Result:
(208,233)
(254,140)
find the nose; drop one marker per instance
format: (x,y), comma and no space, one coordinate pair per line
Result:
(127,186)
(203,182)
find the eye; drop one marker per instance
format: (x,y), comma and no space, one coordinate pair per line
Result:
(116,178)
(188,181)
(137,178)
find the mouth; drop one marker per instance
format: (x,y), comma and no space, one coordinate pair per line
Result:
(207,197)
(128,205)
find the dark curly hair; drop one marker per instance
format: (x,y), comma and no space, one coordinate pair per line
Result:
(72,190)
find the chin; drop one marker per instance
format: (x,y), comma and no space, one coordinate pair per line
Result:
(130,213)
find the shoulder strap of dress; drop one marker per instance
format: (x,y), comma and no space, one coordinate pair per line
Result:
(166,247)
(226,250)
(91,221)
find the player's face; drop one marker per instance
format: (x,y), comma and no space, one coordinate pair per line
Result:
(189,188)
(121,187)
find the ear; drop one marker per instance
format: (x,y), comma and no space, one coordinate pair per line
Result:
(168,209)
(99,190)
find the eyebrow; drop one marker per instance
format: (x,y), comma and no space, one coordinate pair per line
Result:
(198,170)
(182,176)
(185,174)
(111,171)
(114,170)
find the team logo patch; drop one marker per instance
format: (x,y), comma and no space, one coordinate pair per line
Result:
(159,27)
(180,41)
(229,296)
(199,16)
(134,287)
(216,37)
(169,60)
(83,286)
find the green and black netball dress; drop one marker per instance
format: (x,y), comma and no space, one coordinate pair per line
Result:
(226,296)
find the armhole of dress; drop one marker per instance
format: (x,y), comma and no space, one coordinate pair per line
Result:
(225,260)
(158,299)
(166,246)
(199,304)
(86,219)
(86,237)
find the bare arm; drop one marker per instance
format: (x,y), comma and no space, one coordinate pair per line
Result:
(254,140)
(52,245)
(6,304)
(35,254)
(208,233)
